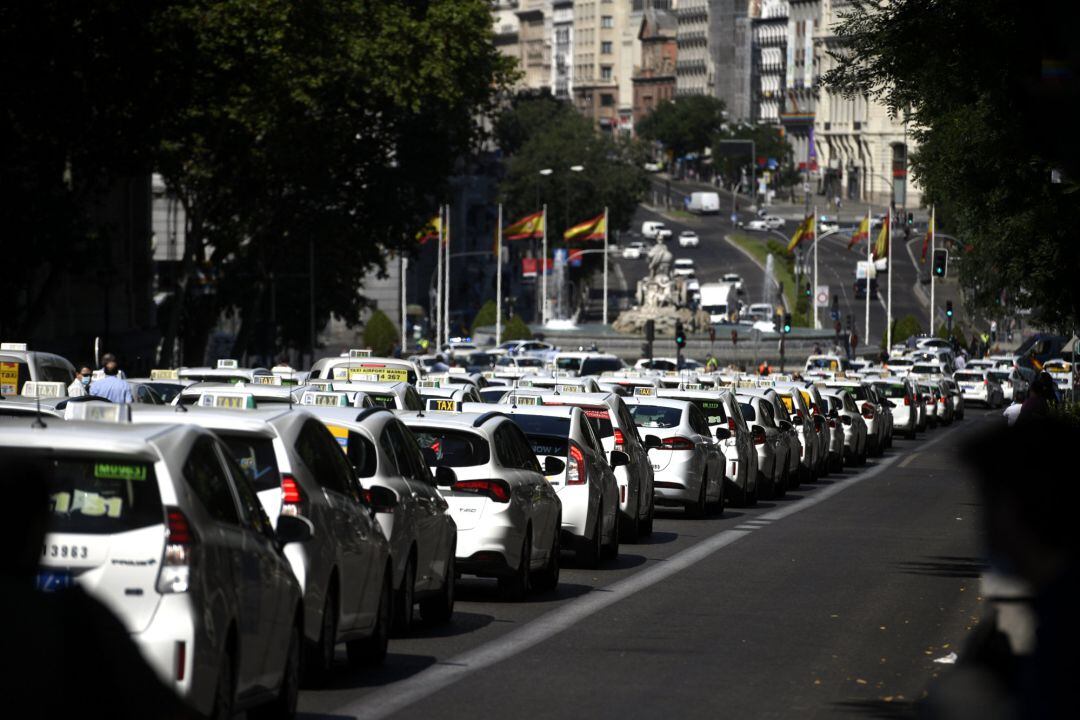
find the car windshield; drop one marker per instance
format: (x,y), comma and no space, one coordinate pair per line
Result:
(451,448)
(255,456)
(568,363)
(93,493)
(856,391)
(656,416)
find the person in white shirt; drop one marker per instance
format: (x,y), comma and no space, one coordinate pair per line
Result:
(81,384)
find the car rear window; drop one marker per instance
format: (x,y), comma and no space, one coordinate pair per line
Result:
(890,390)
(856,391)
(713,410)
(493,395)
(255,456)
(926,369)
(595,366)
(381,400)
(598,415)
(542,424)
(96,494)
(748,412)
(656,416)
(968,377)
(451,448)
(13,373)
(547,444)
(1000,376)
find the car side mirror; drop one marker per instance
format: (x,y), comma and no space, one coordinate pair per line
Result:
(652,442)
(785,425)
(618,457)
(845,419)
(294,529)
(381,499)
(553,465)
(444,476)
(891,403)
(796,420)
(722,433)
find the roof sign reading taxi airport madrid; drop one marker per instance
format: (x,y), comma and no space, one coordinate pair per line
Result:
(267,380)
(356,354)
(516,399)
(644,391)
(44,389)
(98,411)
(227,364)
(325,399)
(228,400)
(164,374)
(434,383)
(383,373)
(443,405)
(357,375)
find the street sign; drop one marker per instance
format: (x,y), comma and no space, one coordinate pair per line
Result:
(821,296)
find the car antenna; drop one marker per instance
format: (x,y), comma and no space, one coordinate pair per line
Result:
(38,422)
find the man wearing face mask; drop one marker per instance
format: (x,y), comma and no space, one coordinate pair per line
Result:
(80,386)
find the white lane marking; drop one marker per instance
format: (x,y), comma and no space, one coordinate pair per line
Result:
(391,698)
(909,458)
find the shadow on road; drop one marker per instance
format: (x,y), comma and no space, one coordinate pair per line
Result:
(944,566)
(397,666)
(482,590)
(659,538)
(462,624)
(877,708)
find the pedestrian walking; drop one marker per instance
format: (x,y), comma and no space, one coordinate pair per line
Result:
(993,332)
(112,387)
(1037,404)
(80,386)
(763,368)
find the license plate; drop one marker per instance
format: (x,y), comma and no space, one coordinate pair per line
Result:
(53,580)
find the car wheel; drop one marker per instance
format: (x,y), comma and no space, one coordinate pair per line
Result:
(588,553)
(781,486)
(647,523)
(515,587)
(697,509)
(610,551)
(320,655)
(440,608)
(284,705)
(405,599)
(224,694)
(372,650)
(547,579)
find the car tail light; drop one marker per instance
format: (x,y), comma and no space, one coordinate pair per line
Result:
(832,423)
(907,400)
(180,542)
(677,443)
(575,469)
(941,399)
(181,660)
(293,501)
(731,426)
(619,438)
(759,437)
(497,490)
(867,411)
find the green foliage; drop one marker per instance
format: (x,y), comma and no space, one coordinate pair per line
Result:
(989,127)
(729,158)
(380,334)
(957,333)
(485,316)
(516,329)
(904,328)
(687,124)
(1067,412)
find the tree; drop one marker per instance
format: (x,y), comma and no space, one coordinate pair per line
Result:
(769,142)
(903,328)
(516,329)
(380,334)
(687,124)
(990,133)
(485,316)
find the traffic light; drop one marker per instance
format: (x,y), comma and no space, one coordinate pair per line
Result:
(910,219)
(787,322)
(941,262)
(809,291)
(948,308)
(680,336)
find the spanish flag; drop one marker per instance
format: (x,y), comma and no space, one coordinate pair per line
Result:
(881,247)
(431,230)
(929,235)
(593,229)
(803,233)
(530,226)
(861,233)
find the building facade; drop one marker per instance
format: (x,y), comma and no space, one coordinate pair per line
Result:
(562,43)
(729,43)
(598,26)
(654,79)
(694,68)
(769,25)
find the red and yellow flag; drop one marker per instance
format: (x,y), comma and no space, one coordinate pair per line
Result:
(928,236)
(430,231)
(593,229)
(803,233)
(861,233)
(881,247)
(530,226)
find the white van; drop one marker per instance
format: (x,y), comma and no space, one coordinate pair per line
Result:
(653,229)
(717,299)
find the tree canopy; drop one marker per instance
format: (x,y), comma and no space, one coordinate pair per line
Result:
(687,124)
(987,86)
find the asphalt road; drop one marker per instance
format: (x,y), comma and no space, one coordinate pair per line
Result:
(832,602)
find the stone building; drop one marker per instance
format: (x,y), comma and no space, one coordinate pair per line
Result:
(654,79)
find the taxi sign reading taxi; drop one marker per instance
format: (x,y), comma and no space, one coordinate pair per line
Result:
(325,399)
(567,388)
(94,411)
(227,365)
(524,399)
(322,383)
(229,401)
(267,380)
(44,389)
(356,354)
(443,405)
(164,374)
(644,391)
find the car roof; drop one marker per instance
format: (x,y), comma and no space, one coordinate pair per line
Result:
(252,420)
(549,410)
(680,403)
(472,421)
(120,438)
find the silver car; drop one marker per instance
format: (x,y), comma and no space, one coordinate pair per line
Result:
(852,423)
(770,442)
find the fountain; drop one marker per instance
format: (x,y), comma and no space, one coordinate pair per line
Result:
(661,298)
(771,288)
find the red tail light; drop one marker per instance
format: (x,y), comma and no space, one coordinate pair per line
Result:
(832,423)
(907,400)
(180,541)
(292,496)
(181,660)
(497,490)
(867,411)
(759,437)
(731,425)
(677,443)
(619,438)
(575,469)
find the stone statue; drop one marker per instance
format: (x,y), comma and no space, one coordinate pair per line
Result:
(660,259)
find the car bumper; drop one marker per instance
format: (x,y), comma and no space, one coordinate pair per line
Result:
(182,660)
(575,501)
(680,481)
(491,549)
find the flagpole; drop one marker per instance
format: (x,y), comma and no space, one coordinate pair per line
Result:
(543,274)
(813,229)
(888,301)
(438,285)
(498,280)
(446,284)
(404,309)
(869,265)
(605,262)
(933,247)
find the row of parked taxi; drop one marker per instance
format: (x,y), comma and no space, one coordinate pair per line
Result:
(244,523)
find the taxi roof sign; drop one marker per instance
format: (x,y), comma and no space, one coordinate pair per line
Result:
(227,364)
(488,374)
(41,389)
(324,383)
(432,383)
(444,405)
(227,400)
(357,353)
(458,371)
(325,399)
(644,391)
(275,380)
(567,388)
(21,347)
(516,399)
(98,411)
(165,374)
(282,370)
